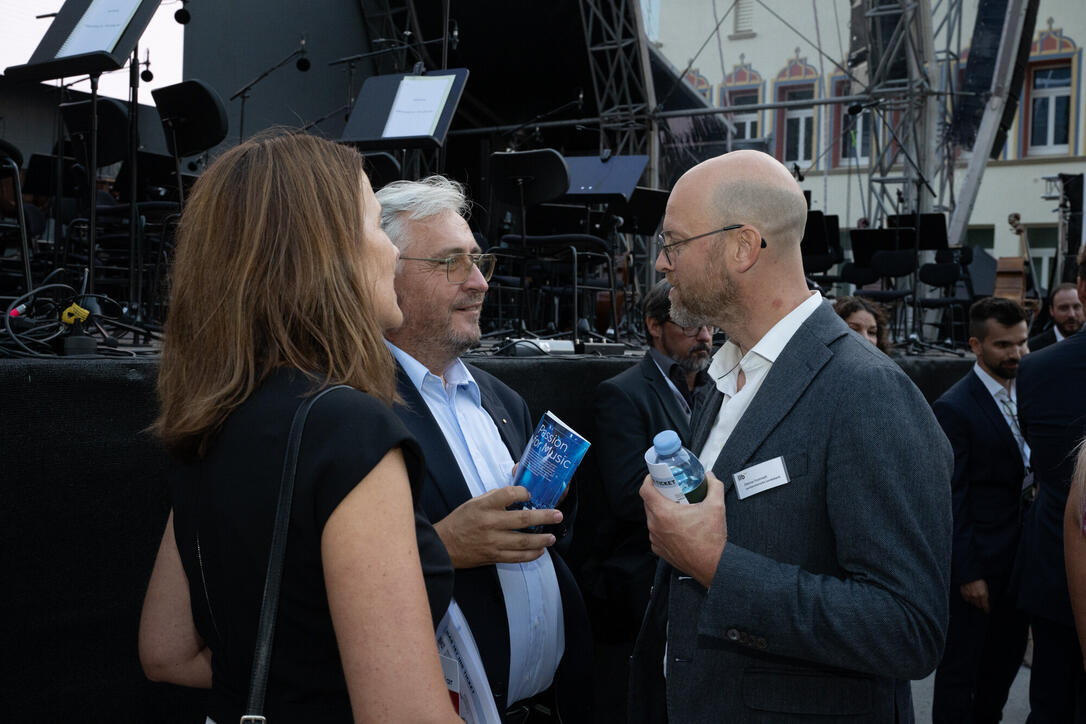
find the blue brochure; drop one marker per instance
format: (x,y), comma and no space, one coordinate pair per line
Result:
(549,461)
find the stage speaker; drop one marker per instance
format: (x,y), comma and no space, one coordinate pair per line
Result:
(883,18)
(977,83)
(1074,193)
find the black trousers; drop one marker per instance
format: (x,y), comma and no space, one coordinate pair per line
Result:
(1057,685)
(982,656)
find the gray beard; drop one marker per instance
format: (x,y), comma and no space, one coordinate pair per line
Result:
(694,364)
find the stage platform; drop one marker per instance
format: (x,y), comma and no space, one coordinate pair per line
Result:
(83,505)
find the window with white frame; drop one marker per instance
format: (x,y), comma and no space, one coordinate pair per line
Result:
(1050,109)
(799,129)
(746,124)
(856,133)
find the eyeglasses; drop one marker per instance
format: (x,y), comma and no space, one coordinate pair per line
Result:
(669,247)
(458,266)
(694,331)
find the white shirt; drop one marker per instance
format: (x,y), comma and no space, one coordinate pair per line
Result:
(533,602)
(1059,334)
(1000,395)
(755,364)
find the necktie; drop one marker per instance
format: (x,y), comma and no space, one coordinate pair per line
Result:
(1011,409)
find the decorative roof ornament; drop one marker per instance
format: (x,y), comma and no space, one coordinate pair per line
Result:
(798,68)
(1052,42)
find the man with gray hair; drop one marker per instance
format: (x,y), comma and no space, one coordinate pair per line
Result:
(519,600)
(811,583)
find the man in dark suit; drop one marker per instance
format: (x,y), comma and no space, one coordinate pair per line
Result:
(656,394)
(1065,309)
(987,634)
(515,594)
(1052,411)
(811,583)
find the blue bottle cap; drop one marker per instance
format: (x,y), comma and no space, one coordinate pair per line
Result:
(667,442)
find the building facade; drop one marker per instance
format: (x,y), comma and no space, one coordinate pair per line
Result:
(749,52)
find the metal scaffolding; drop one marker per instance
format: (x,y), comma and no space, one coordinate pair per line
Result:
(621,78)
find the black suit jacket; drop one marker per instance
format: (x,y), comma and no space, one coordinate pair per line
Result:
(631,408)
(986,487)
(1042,340)
(1052,412)
(478,590)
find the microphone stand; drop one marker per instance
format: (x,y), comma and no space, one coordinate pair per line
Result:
(243,92)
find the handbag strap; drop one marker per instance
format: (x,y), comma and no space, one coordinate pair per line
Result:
(269,607)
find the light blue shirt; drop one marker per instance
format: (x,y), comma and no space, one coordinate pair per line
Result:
(533,603)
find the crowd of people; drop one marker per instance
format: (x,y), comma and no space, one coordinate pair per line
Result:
(851,539)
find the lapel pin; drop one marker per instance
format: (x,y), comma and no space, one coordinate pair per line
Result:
(504,421)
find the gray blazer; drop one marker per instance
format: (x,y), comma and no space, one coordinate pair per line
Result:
(832,589)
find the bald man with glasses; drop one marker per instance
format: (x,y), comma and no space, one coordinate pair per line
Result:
(513,590)
(812,582)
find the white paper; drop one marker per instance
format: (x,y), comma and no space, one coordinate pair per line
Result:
(418,105)
(455,641)
(760,477)
(100,28)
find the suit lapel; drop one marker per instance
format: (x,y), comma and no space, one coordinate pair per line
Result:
(663,391)
(798,364)
(990,408)
(502,420)
(704,417)
(441,464)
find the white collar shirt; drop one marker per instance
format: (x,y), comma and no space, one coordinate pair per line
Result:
(533,602)
(755,365)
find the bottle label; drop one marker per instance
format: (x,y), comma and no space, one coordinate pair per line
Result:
(665,482)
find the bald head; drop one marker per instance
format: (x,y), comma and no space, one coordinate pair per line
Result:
(750,187)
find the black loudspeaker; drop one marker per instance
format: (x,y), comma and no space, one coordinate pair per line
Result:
(881,26)
(977,83)
(1074,193)
(1019,77)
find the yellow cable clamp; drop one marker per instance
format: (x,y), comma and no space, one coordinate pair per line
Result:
(73,313)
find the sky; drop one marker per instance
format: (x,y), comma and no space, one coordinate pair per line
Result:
(20,33)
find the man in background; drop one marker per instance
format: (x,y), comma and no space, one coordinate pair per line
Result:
(656,394)
(1065,308)
(987,634)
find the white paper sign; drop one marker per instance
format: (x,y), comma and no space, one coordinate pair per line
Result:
(760,477)
(418,105)
(100,28)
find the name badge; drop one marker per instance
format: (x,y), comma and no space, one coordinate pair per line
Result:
(760,477)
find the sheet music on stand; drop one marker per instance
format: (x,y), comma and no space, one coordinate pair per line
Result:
(87,37)
(404,110)
(100,27)
(417,108)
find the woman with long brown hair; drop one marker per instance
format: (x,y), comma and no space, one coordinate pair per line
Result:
(281,287)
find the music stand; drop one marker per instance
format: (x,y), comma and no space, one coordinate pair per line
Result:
(593,179)
(930,229)
(643,212)
(814,241)
(405,110)
(193,119)
(91,37)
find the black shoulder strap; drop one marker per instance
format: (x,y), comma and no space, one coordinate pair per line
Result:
(269,608)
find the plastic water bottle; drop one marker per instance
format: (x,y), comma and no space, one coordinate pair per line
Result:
(676,472)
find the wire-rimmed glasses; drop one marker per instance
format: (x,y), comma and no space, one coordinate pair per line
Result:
(458,266)
(668,247)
